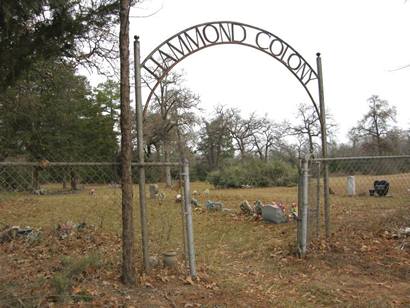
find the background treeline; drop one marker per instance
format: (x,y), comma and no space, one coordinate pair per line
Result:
(49,112)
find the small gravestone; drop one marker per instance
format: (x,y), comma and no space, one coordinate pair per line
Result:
(194,202)
(381,187)
(153,191)
(351,186)
(246,208)
(274,214)
(214,205)
(258,207)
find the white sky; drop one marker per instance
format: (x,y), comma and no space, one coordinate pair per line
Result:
(361,41)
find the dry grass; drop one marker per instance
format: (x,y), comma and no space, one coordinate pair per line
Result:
(248,260)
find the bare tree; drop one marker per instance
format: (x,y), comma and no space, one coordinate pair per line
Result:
(215,139)
(307,130)
(308,126)
(375,125)
(128,268)
(241,129)
(172,111)
(267,137)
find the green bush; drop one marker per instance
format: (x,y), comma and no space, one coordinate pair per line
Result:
(255,173)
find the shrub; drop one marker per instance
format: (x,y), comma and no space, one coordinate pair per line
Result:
(71,270)
(255,173)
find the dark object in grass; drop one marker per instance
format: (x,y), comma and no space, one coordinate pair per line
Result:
(214,205)
(258,207)
(10,233)
(381,187)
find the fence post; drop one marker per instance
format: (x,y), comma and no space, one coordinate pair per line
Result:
(35,175)
(324,145)
(300,194)
(305,203)
(184,225)
(318,200)
(188,213)
(141,159)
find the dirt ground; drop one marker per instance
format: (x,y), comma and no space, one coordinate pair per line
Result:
(242,262)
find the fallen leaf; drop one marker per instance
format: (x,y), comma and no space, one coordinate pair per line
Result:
(188,280)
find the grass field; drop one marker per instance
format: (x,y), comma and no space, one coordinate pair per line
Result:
(242,262)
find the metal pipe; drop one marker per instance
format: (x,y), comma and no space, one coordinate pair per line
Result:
(323,129)
(300,196)
(305,204)
(181,181)
(140,146)
(183,220)
(157,164)
(160,164)
(152,163)
(362,158)
(318,200)
(188,213)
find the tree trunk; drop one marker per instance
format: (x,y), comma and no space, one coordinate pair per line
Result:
(74,180)
(168,178)
(157,152)
(310,143)
(128,268)
(64,182)
(36,185)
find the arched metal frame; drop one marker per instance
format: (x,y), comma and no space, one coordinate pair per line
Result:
(187,42)
(193,39)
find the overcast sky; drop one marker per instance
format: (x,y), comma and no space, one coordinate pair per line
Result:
(361,42)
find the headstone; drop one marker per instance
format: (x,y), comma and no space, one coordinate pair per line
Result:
(258,207)
(381,187)
(246,208)
(351,186)
(274,214)
(214,205)
(153,191)
(194,202)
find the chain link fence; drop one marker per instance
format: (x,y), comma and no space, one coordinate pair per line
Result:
(359,188)
(90,192)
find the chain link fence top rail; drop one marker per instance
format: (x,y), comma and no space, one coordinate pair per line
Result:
(359,187)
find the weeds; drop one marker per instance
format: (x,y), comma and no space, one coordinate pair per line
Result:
(71,271)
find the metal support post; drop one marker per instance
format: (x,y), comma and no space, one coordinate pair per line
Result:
(318,200)
(324,145)
(183,220)
(181,180)
(188,213)
(305,204)
(300,195)
(140,145)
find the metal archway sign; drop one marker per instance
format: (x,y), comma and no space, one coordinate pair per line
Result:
(193,39)
(169,53)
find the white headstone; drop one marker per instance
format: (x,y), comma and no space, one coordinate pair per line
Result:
(153,191)
(351,186)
